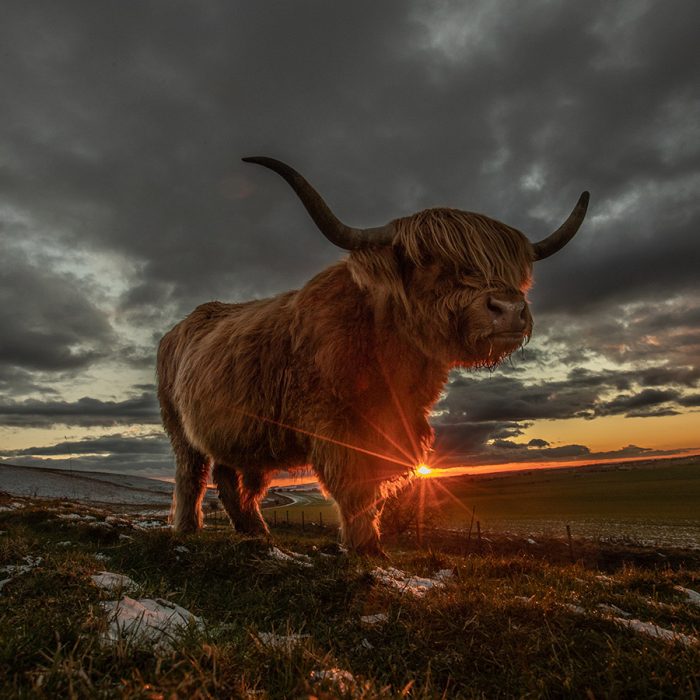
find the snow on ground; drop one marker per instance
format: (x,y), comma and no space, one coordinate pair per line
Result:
(407,583)
(652,630)
(284,642)
(158,621)
(291,557)
(15,570)
(84,486)
(624,619)
(691,596)
(113,583)
(371,620)
(343,681)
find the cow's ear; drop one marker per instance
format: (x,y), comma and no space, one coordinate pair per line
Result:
(380,271)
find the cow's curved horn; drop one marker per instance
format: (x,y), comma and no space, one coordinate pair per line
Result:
(557,240)
(331,227)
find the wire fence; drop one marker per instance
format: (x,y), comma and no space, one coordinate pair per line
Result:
(470,538)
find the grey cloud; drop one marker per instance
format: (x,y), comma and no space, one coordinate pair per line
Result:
(116,443)
(48,321)
(83,412)
(626,403)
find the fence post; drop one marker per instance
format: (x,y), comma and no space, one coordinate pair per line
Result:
(471,525)
(571,544)
(419,532)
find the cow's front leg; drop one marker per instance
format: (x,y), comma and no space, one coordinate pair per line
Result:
(353,484)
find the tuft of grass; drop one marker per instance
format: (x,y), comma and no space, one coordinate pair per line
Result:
(507,623)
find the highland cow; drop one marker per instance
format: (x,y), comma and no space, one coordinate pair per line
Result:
(341,374)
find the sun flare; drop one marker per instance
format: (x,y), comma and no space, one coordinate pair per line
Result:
(423,470)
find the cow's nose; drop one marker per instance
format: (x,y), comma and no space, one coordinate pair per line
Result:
(507,316)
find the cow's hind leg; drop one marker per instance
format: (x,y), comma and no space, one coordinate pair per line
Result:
(190,485)
(240,495)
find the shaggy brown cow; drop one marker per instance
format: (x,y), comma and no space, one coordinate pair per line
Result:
(341,374)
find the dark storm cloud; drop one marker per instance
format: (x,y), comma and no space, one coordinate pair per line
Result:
(116,452)
(480,415)
(124,125)
(116,443)
(582,394)
(47,319)
(83,412)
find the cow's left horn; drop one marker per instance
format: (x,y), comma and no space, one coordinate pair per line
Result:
(331,227)
(557,240)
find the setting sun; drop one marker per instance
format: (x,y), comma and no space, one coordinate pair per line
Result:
(423,470)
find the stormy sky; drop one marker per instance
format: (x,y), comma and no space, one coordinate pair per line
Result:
(124,203)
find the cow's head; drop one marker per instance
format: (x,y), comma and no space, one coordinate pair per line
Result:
(454,280)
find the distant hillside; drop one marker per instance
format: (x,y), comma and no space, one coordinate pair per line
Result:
(99,487)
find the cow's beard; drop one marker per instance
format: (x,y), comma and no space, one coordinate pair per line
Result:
(488,349)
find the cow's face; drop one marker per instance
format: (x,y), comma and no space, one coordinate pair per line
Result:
(458,315)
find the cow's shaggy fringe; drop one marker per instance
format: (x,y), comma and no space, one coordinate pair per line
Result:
(472,242)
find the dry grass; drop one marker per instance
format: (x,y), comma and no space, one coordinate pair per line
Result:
(503,625)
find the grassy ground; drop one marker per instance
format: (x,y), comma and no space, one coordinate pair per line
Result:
(506,624)
(664,491)
(656,502)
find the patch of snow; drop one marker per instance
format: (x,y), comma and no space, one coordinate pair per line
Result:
(15,570)
(574,608)
(112,582)
(150,524)
(100,525)
(65,543)
(75,516)
(30,563)
(405,582)
(343,681)
(648,628)
(291,557)
(652,630)
(691,595)
(284,642)
(613,610)
(100,556)
(125,537)
(529,540)
(182,549)
(374,619)
(157,621)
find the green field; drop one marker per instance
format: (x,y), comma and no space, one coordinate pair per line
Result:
(651,503)
(667,492)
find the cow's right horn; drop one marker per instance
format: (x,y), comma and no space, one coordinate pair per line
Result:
(331,227)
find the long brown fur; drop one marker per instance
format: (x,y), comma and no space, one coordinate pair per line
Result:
(339,375)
